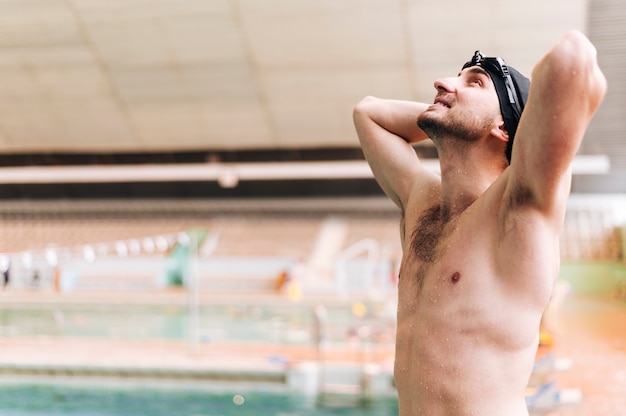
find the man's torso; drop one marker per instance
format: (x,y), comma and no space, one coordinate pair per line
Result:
(467,329)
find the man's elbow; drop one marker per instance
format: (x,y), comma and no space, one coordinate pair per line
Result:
(362,114)
(576,48)
(574,60)
(585,57)
(364,106)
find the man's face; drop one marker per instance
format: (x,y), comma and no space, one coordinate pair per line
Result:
(466,107)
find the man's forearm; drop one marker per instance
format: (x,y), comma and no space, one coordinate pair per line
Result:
(396,116)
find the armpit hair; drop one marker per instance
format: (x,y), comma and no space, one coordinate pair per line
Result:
(520,196)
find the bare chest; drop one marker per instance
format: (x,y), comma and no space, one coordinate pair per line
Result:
(435,241)
(428,233)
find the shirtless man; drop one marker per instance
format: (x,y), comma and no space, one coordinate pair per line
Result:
(481,241)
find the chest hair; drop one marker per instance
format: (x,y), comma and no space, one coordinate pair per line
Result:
(428,233)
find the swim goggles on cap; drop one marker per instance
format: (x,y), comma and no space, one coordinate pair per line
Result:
(496,65)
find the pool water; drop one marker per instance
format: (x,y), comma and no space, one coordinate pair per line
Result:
(217,323)
(25,400)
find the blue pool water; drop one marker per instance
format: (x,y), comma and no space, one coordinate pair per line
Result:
(58,400)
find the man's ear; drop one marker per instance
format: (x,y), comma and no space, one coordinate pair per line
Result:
(499,131)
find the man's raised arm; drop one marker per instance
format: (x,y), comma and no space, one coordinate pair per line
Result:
(567,88)
(386,129)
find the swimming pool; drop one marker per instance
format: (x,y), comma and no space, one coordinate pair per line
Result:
(37,400)
(282,324)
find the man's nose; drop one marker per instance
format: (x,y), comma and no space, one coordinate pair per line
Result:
(444,85)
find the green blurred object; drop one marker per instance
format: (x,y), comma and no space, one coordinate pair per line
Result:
(178,260)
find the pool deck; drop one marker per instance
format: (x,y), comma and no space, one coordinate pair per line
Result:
(590,331)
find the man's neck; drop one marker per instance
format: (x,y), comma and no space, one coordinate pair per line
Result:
(465,176)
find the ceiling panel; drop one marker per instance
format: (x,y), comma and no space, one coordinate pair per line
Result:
(236,125)
(129,44)
(70,83)
(37,22)
(28,57)
(141,75)
(116,11)
(18,86)
(90,124)
(27,125)
(161,122)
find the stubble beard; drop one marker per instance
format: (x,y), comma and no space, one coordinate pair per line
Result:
(438,128)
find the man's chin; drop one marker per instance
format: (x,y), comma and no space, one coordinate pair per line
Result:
(428,121)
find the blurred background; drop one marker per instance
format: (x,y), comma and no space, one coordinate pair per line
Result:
(184,205)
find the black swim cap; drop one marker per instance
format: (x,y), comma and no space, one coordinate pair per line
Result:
(512,88)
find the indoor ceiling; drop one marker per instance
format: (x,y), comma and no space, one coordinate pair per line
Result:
(171,75)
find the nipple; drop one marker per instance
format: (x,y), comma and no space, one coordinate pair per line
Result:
(456,276)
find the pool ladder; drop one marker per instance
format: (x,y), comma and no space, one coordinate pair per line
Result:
(350,379)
